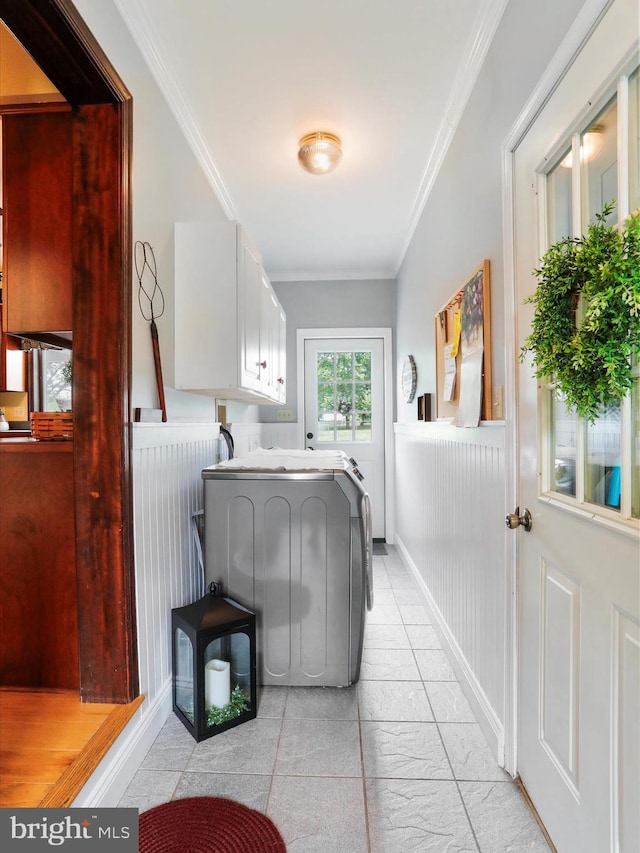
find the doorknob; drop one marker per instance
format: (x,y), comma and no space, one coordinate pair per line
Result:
(514,519)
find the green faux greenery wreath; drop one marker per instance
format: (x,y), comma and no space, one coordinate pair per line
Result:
(586,324)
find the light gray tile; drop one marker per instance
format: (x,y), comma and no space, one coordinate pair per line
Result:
(251,791)
(423,637)
(407,595)
(501,819)
(403,751)
(394,700)
(448,702)
(320,815)
(383,596)
(322,703)
(380,579)
(434,665)
(247,748)
(414,614)
(469,754)
(172,749)
(386,637)
(388,665)
(384,614)
(399,579)
(271,701)
(149,788)
(417,815)
(319,748)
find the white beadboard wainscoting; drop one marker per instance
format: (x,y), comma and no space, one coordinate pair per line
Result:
(167,461)
(450,532)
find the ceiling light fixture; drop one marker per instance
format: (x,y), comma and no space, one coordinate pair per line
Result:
(319,152)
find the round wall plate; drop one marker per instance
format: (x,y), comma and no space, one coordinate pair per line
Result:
(409,380)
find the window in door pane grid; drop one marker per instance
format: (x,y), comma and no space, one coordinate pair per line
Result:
(602,482)
(344,396)
(563,446)
(599,165)
(559,207)
(635,444)
(634,140)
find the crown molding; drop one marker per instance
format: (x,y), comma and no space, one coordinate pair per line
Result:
(141,29)
(483,32)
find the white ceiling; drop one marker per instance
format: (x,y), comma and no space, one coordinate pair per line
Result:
(247,78)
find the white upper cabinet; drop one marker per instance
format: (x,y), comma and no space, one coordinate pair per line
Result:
(225,310)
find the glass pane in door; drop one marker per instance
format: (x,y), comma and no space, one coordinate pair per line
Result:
(634,140)
(599,166)
(602,459)
(344,396)
(635,444)
(559,206)
(564,424)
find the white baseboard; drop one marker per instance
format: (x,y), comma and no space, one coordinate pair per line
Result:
(487,718)
(113,775)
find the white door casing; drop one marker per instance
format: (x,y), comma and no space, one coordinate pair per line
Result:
(374,458)
(575,647)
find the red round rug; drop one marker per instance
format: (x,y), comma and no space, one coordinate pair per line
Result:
(207,825)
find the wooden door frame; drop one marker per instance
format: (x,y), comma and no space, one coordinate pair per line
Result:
(61,44)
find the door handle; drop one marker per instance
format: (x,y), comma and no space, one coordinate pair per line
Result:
(514,519)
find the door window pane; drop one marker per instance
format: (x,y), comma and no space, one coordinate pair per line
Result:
(602,459)
(344,396)
(564,424)
(634,140)
(559,201)
(599,165)
(635,445)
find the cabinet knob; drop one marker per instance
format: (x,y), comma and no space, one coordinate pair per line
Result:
(261,364)
(280,380)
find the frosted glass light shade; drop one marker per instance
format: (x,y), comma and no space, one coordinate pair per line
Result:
(590,146)
(319,152)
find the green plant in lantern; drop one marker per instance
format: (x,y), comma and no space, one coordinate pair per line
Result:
(585,331)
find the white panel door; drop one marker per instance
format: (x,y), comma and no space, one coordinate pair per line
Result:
(344,408)
(578,567)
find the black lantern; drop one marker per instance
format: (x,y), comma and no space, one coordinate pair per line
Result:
(214,664)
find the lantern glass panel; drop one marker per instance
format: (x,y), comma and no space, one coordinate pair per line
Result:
(184,674)
(227,678)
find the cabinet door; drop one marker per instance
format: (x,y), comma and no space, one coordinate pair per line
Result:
(269,339)
(281,373)
(249,312)
(37,202)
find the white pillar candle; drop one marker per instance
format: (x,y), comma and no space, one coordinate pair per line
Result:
(217,684)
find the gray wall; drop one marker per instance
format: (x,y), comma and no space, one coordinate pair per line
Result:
(462,220)
(328,304)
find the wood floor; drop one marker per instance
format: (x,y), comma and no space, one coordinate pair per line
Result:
(50,744)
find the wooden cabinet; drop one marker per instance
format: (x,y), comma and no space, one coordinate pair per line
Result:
(37,212)
(226,314)
(38,585)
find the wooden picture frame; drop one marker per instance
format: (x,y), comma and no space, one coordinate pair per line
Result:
(463,331)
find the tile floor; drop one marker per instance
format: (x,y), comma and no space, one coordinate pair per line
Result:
(395,763)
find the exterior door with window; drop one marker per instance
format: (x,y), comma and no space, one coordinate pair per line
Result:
(578,568)
(344,408)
